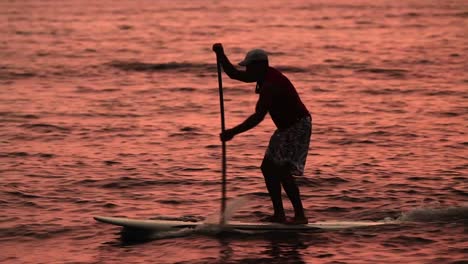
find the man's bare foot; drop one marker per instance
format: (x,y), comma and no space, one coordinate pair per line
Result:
(274,219)
(297,220)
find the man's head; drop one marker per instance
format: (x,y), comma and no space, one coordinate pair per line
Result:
(256,63)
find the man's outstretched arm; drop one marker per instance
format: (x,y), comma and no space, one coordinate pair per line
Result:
(228,68)
(251,122)
(261,109)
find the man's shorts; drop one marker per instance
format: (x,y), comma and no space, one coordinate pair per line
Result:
(289,147)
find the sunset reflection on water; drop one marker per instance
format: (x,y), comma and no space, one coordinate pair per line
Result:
(111,108)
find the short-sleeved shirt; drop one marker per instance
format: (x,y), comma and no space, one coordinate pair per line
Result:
(280,99)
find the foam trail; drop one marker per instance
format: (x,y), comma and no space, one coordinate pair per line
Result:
(428,214)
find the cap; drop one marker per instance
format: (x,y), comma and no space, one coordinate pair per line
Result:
(254,55)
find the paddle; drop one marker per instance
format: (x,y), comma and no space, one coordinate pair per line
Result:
(223,161)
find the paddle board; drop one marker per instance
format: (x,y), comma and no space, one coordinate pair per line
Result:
(166,225)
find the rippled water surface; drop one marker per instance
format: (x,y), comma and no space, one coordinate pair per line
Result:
(111,108)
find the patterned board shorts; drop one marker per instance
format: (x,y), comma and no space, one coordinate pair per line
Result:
(290,146)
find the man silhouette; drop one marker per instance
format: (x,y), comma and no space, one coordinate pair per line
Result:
(287,151)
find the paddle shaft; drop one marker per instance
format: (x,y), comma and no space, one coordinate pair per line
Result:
(223,160)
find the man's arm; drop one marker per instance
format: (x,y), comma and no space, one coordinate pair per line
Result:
(228,68)
(251,122)
(261,109)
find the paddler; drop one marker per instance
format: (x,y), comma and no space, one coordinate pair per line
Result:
(287,151)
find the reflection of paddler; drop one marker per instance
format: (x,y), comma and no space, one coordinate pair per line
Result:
(287,152)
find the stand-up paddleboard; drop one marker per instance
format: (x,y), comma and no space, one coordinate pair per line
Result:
(166,225)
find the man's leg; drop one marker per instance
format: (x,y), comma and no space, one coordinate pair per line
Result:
(273,184)
(291,189)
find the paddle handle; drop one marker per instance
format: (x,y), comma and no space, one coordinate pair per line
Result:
(223,143)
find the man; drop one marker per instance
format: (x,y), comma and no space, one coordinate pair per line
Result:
(287,151)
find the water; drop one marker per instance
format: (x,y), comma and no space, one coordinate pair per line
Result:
(111,108)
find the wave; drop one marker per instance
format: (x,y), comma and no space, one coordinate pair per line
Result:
(290,69)
(389,91)
(406,240)
(22,194)
(36,231)
(20,154)
(395,73)
(461,14)
(129,182)
(446,93)
(45,128)
(181,67)
(84,89)
(349,141)
(157,67)
(426,14)
(322,181)
(14,154)
(11,74)
(18,115)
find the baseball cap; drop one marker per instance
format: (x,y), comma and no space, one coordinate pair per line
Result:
(254,55)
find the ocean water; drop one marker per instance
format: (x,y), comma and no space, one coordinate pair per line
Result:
(111,108)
